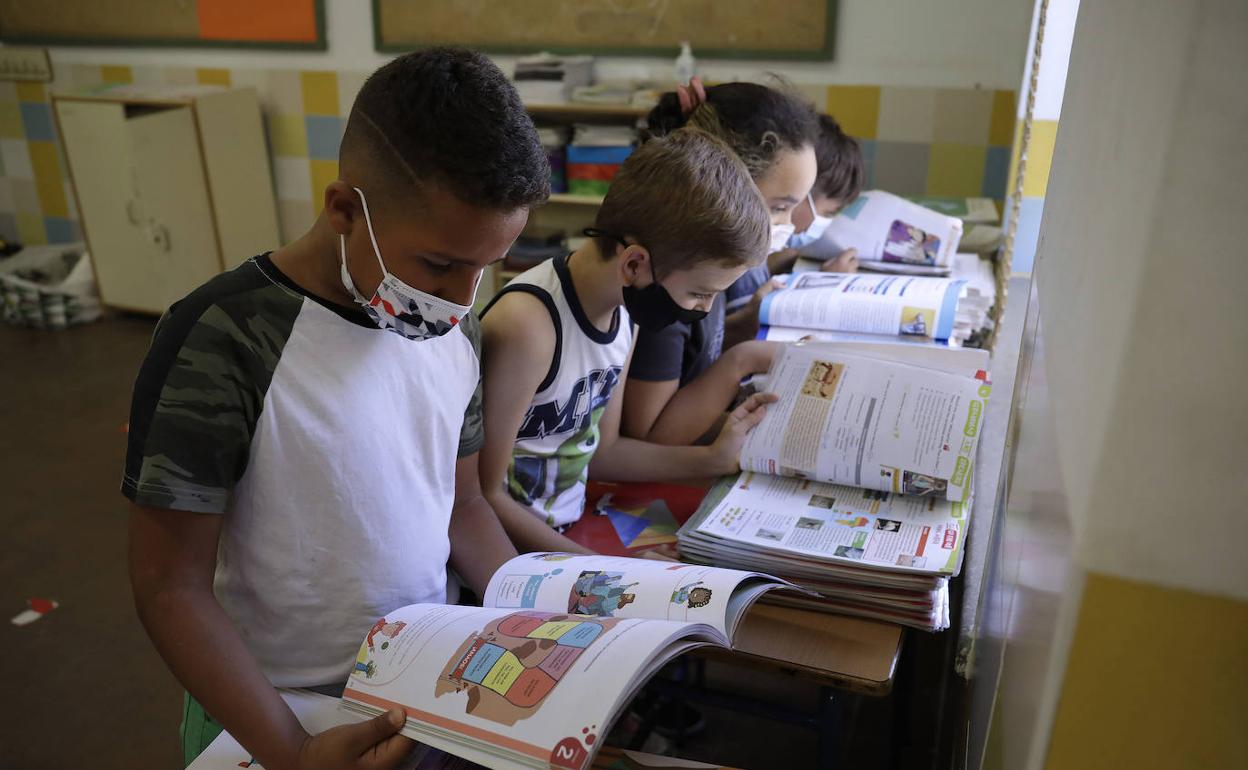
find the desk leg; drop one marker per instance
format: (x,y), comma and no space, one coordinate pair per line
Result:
(829,743)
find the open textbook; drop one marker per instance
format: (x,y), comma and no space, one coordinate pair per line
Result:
(537,675)
(857,483)
(888,230)
(894,418)
(318,713)
(824,305)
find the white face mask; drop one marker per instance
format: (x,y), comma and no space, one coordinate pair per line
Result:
(400,308)
(780,235)
(814,231)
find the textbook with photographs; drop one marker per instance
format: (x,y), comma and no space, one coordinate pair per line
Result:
(536,676)
(891,234)
(847,306)
(857,483)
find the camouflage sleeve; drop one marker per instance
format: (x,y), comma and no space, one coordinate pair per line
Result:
(472,434)
(196,401)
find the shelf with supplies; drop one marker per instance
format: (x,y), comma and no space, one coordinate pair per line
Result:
(587,113)
(579,200)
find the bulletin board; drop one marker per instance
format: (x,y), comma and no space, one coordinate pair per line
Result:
(739,29)
(288,24)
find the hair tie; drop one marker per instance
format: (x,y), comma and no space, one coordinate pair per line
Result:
(691,96)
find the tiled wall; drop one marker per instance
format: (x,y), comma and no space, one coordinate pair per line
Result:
(917,141)
(929,141)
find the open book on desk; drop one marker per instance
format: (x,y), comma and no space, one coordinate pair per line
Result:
(832,305)
(890,230)
(536,677)
(857,481)
(894,418)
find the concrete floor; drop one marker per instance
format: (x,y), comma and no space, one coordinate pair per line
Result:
(83,688)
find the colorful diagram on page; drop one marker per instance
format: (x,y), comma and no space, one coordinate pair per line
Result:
(510,667)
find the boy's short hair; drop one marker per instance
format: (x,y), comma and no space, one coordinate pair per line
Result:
(839,158)
(688,199)
(446,117)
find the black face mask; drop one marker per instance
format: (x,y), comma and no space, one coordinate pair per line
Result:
(651,308)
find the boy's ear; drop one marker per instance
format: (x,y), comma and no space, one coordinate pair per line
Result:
(635,265)
(342,206)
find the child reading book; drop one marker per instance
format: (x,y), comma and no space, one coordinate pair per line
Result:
(304,429)
(681,221)
(679,386)
(839,180)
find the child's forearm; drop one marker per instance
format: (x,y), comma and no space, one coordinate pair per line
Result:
(528,532)
(204,651)
(627,459)
(697,407)
(479,546)
(740,326)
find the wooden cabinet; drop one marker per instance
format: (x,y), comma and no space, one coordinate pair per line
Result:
(172,186)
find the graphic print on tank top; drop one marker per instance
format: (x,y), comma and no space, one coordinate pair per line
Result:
(559,432)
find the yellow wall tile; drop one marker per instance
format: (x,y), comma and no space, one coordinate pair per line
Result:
(31,92)
(323,172)
(119,74)
(320,93)
(11,121)
(48,179)
(956,170)
(1155,679)
(1004,116)
(288,135)
(856,108)
(1039,158)
(213,77)
(1012,178)
(30,230)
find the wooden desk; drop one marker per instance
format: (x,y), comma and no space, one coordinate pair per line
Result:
(831,650)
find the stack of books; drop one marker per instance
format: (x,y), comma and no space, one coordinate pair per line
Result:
(857,484)
(834,307)
(892,234)
(595,155)
(545,78)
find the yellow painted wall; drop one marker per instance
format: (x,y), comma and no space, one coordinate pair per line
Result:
(1157,678)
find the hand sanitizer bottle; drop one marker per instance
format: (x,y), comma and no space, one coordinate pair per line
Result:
(686,65)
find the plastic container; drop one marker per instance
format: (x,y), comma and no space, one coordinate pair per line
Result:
(686,65)
(48,287)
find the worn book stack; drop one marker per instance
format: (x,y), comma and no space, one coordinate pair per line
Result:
(857,484)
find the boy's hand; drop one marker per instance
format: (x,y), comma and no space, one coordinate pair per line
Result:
(726,451)
(372,745)
(756,302)
(845,262)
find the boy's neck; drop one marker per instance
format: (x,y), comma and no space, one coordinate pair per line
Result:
(313,262)
(596,283)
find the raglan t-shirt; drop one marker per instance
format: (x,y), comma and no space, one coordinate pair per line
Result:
(328,444)
(679,351)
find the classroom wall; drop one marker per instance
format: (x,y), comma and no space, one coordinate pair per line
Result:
(932,101)
(954,44)
(1138,269)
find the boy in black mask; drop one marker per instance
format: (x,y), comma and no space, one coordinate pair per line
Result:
(681,222)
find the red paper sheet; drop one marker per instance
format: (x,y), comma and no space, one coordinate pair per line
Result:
(631,519)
